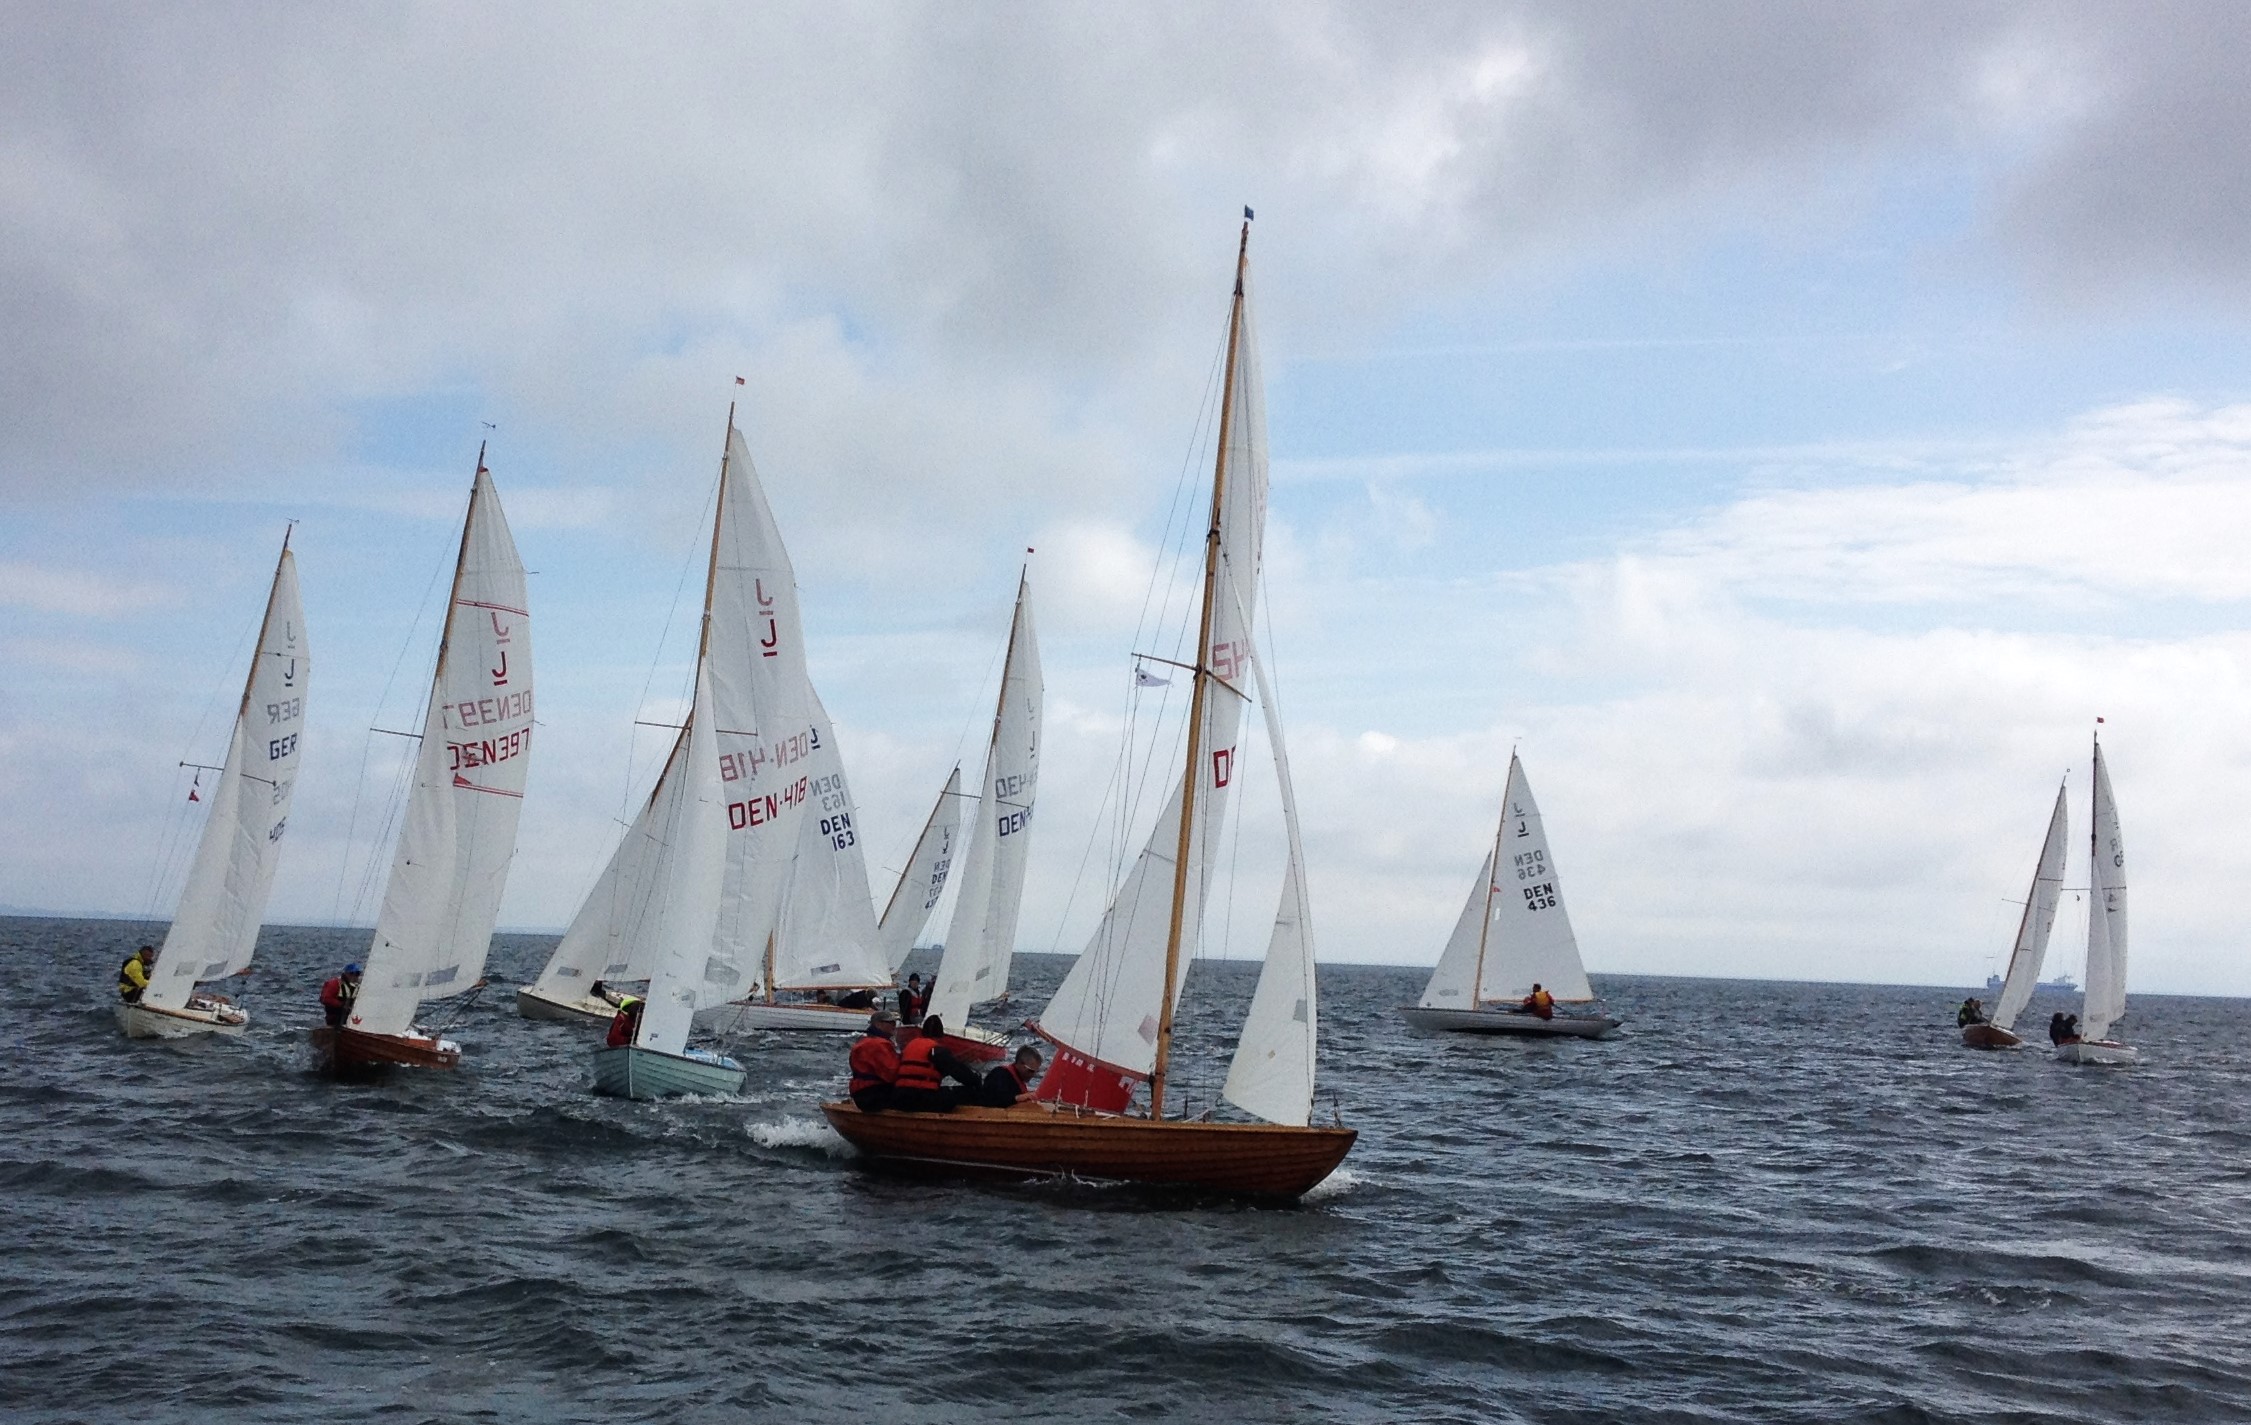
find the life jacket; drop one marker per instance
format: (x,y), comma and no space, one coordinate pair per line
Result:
(1543,1004)
(132,977)
(875,1062)
(625,1023)
(916,1071)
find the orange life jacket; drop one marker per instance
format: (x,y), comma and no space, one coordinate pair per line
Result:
(915,1069)
(874,1062)
(1543,1004)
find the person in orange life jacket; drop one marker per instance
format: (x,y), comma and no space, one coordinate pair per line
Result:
(133,975)
(1011,1084)
(1539,1002)
(924,1065)
(337,995)
(875,1063)
(626,1022)
(913,1000)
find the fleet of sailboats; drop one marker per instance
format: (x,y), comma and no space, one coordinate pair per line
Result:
(1514,936)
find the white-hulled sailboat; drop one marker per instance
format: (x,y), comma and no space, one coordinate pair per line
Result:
(981,943)
(1111,1021)
(924,880)
(2023,976)
(2105,996)
(1513,934)
(215,928)
(459,831)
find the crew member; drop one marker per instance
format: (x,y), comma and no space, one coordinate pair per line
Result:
(1011,1084)
(857,999)
(913,1001)
(337,995)
(924,1066)
(601,990)
(627,1021)
(1971,1012)
(875,1063)
(1539,1002)
(2055,1027)
(133,975)
(2070,1029)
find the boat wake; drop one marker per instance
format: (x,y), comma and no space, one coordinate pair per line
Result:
(1335,1185)
(800,1133)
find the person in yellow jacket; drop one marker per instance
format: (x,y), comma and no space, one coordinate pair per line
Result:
(1539,1002)
(133,975)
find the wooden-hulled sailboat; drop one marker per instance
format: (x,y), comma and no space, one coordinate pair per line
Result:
(1513,934)
(1111,1021)
(981,942)
(2104,1001)
(215,928)
(459,831)
(688,865)
(1999,1031)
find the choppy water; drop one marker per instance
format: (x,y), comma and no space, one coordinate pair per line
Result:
(1766,1202)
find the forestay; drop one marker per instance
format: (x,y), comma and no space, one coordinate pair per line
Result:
(2031,947)
(924,880)
(981,943)
(1105,1017)
(683,907)
(459,833)
(2106,914)
(215,929)
(827,937)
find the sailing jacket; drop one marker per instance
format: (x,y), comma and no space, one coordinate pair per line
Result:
(132,978)
(625,1023)
(336,998)
(875,1061)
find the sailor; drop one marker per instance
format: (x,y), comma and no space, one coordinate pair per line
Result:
(875,1063)
(924,1066)
(626,1022)
(2070,1029)
(857,999)
(601,990)
(337,995)
(1539,1002)
(913,1001)
(133,975)
(1971,1012)
(1011,1084)
(2055,1027)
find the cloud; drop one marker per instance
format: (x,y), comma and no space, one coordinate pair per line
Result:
(46,590)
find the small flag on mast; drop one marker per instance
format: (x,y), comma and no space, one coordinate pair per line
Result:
(192,794)
(738,380)
(1247,213)
(1143,678)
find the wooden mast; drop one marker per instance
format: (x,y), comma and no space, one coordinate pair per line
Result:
(1492,872)
(1196,700)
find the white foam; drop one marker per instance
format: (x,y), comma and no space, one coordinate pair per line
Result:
(800,1133)
(1336,1184)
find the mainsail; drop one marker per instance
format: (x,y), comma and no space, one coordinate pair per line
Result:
(690,870)
(1112,1014)
(924,880)
(2039,918)
(215,929)
(1513,932)
(608,939)
(982,940)
(2106,914)
(827,937)
(459,832)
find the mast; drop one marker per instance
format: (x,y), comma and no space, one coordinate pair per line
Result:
(266,622)
(1197,698)
(460,563)
(718,514)
(1492,870)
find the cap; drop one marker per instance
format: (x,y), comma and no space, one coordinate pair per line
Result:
(353,968)
(883,1016)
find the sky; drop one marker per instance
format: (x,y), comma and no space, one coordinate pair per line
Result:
(1789,428)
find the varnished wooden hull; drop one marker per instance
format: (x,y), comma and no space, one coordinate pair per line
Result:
(348,1051)
(1987,1036)
(1037,1140)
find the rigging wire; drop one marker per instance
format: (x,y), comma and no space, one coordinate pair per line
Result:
(168,865)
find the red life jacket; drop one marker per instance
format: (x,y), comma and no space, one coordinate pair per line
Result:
(915,1069)
(625,1024)
(875,1061)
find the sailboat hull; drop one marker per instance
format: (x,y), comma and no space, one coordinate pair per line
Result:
(738,1015)
(972,1045)
(531,1004)
(345,1052)
(1041,1141)
(633,1072)
(2104,1053)
(1989,1036)
(1501,1021)
(148,1021)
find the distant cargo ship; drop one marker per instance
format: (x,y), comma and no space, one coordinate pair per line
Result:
(2061,982)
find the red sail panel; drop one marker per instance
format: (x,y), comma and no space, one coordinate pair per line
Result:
(1086,1083)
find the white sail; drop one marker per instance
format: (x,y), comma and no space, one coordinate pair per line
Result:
(924,880)
(981,943)
(1529,941)
(2106,915)
(1108,1008)
(1453,985)
(2039,918)
(608,939)
(1272,1072)
(459,832)
(684,901)
(827,937)
(215,929)
(763,722)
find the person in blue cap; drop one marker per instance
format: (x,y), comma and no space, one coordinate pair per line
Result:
(337,995)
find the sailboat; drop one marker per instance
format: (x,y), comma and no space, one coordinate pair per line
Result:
(2031,946)
(919,886)
(215,928)
(1513,933)
(2104,1003)
(680,918)
(459,833)
(1111,1020)
(981,942)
